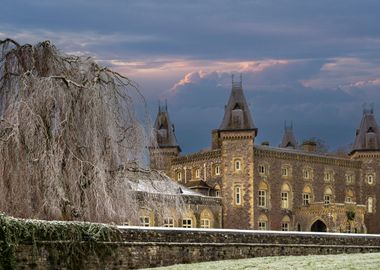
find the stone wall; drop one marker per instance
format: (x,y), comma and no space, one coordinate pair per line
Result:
(151,247)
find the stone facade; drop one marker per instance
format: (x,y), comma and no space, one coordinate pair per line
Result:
(286,187)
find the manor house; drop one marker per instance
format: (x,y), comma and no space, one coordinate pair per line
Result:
(290,187)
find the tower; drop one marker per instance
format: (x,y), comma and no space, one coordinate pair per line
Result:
(167,147)
(235,138)
(366,148)
(288,138)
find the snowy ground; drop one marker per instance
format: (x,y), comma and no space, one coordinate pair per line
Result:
(366,261)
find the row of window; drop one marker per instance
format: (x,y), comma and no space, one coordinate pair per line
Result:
(286,196)
(308,174)
(262,223)
(145,221)
(196,172)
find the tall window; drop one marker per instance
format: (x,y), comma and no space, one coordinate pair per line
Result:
(370,204)
(237,195)
(187,223)
(237,165)
(168,222)
(205,223)
(285,196)
(179,176)
(197,173)
(144,221)
(262,198)
(306,195)
(263,193)
(263,222)
(327,196)
(217,170)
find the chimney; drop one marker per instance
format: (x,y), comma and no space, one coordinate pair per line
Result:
(309,146)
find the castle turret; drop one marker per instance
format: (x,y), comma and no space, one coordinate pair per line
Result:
(235,138)
(288,138)
(237,115)
(368,134)
(366,148)
(167,147)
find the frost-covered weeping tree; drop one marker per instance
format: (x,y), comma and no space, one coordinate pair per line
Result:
(71,141)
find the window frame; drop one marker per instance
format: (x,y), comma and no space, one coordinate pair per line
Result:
(186,223)
(238,195)
(144,221)
(204,225)
(285,200)
(262,198)
(167,222)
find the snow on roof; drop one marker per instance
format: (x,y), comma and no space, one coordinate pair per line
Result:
(157,182)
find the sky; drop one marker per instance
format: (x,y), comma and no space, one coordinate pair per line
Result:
(311,62)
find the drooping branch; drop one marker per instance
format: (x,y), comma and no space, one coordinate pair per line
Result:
(69,132)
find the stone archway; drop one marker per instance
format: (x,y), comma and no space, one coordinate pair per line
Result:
(318,226)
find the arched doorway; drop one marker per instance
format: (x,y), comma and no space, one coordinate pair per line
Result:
(319,226)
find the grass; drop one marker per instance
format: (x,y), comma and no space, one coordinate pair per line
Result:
(365,261)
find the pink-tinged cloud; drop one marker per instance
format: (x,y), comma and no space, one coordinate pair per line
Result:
(220,70)
(345,73)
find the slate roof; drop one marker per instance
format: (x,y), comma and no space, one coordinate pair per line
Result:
(288,138)
(368,134)
(237,102)
(165,129)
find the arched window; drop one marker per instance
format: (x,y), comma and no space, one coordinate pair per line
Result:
(263,195)
(285,223)
(327,196)
(370,204)
(306,195)
(189,220)
(263,222)
(207,219)
(285,196)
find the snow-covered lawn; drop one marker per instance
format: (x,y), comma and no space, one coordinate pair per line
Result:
(332,262)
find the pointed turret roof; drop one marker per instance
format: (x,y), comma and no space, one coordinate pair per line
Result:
(237,115)
(368,134)
(165,129)
(288,138)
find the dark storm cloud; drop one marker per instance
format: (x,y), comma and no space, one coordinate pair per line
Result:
(211,29)
(314,62)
